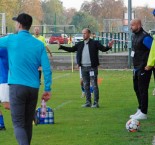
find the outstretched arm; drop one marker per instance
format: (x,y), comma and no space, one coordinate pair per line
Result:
(69,49)
(103,48)
(3,42)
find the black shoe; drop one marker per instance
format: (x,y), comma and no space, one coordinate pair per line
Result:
(2,128)
(95,105)
(86,105)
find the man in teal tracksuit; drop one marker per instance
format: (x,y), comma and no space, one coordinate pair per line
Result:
(25,54)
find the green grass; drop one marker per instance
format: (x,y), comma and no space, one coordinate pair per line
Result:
(87,126)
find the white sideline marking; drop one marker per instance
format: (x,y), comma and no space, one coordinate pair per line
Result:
(61,76)
(63,104)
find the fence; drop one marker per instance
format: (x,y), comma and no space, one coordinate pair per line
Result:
(121,40)
(120,45)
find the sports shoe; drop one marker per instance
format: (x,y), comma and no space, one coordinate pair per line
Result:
(140,116)
(153,93)
(95,105)
(138,111)
(86,105)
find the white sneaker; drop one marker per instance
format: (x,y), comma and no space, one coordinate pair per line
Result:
(140,116)
(153,93)
(138,111)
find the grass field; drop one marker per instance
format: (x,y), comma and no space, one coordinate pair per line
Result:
(88,126)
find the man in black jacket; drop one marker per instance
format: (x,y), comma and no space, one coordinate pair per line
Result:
(87,58)
(141,44)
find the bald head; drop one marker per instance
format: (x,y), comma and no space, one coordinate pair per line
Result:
(135,25)
(86,33)
(136,22)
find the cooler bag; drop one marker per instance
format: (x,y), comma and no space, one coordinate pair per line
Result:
(48,119)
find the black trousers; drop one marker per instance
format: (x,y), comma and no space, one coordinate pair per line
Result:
(87,78)
(23,101)
(141,80)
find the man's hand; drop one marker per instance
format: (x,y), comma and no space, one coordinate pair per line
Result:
(110,44)
(46,96)
(148,67)
(58,43)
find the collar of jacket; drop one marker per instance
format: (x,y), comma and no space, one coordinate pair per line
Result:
(88,41)
(141,29)
(23,31)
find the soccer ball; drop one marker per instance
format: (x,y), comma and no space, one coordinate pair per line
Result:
(133,125)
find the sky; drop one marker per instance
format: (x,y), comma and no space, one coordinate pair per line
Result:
(77,3)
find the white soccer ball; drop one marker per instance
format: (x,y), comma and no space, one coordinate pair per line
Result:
(133,125)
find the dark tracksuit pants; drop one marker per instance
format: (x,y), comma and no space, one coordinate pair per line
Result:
(23,100)
(87,78)
(141,80)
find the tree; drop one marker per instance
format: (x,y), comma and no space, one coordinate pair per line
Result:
(8,7)
(14,7)
(104,9)
(144,13)
(84,20)
(52,10)
(32,7)
(68,14)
